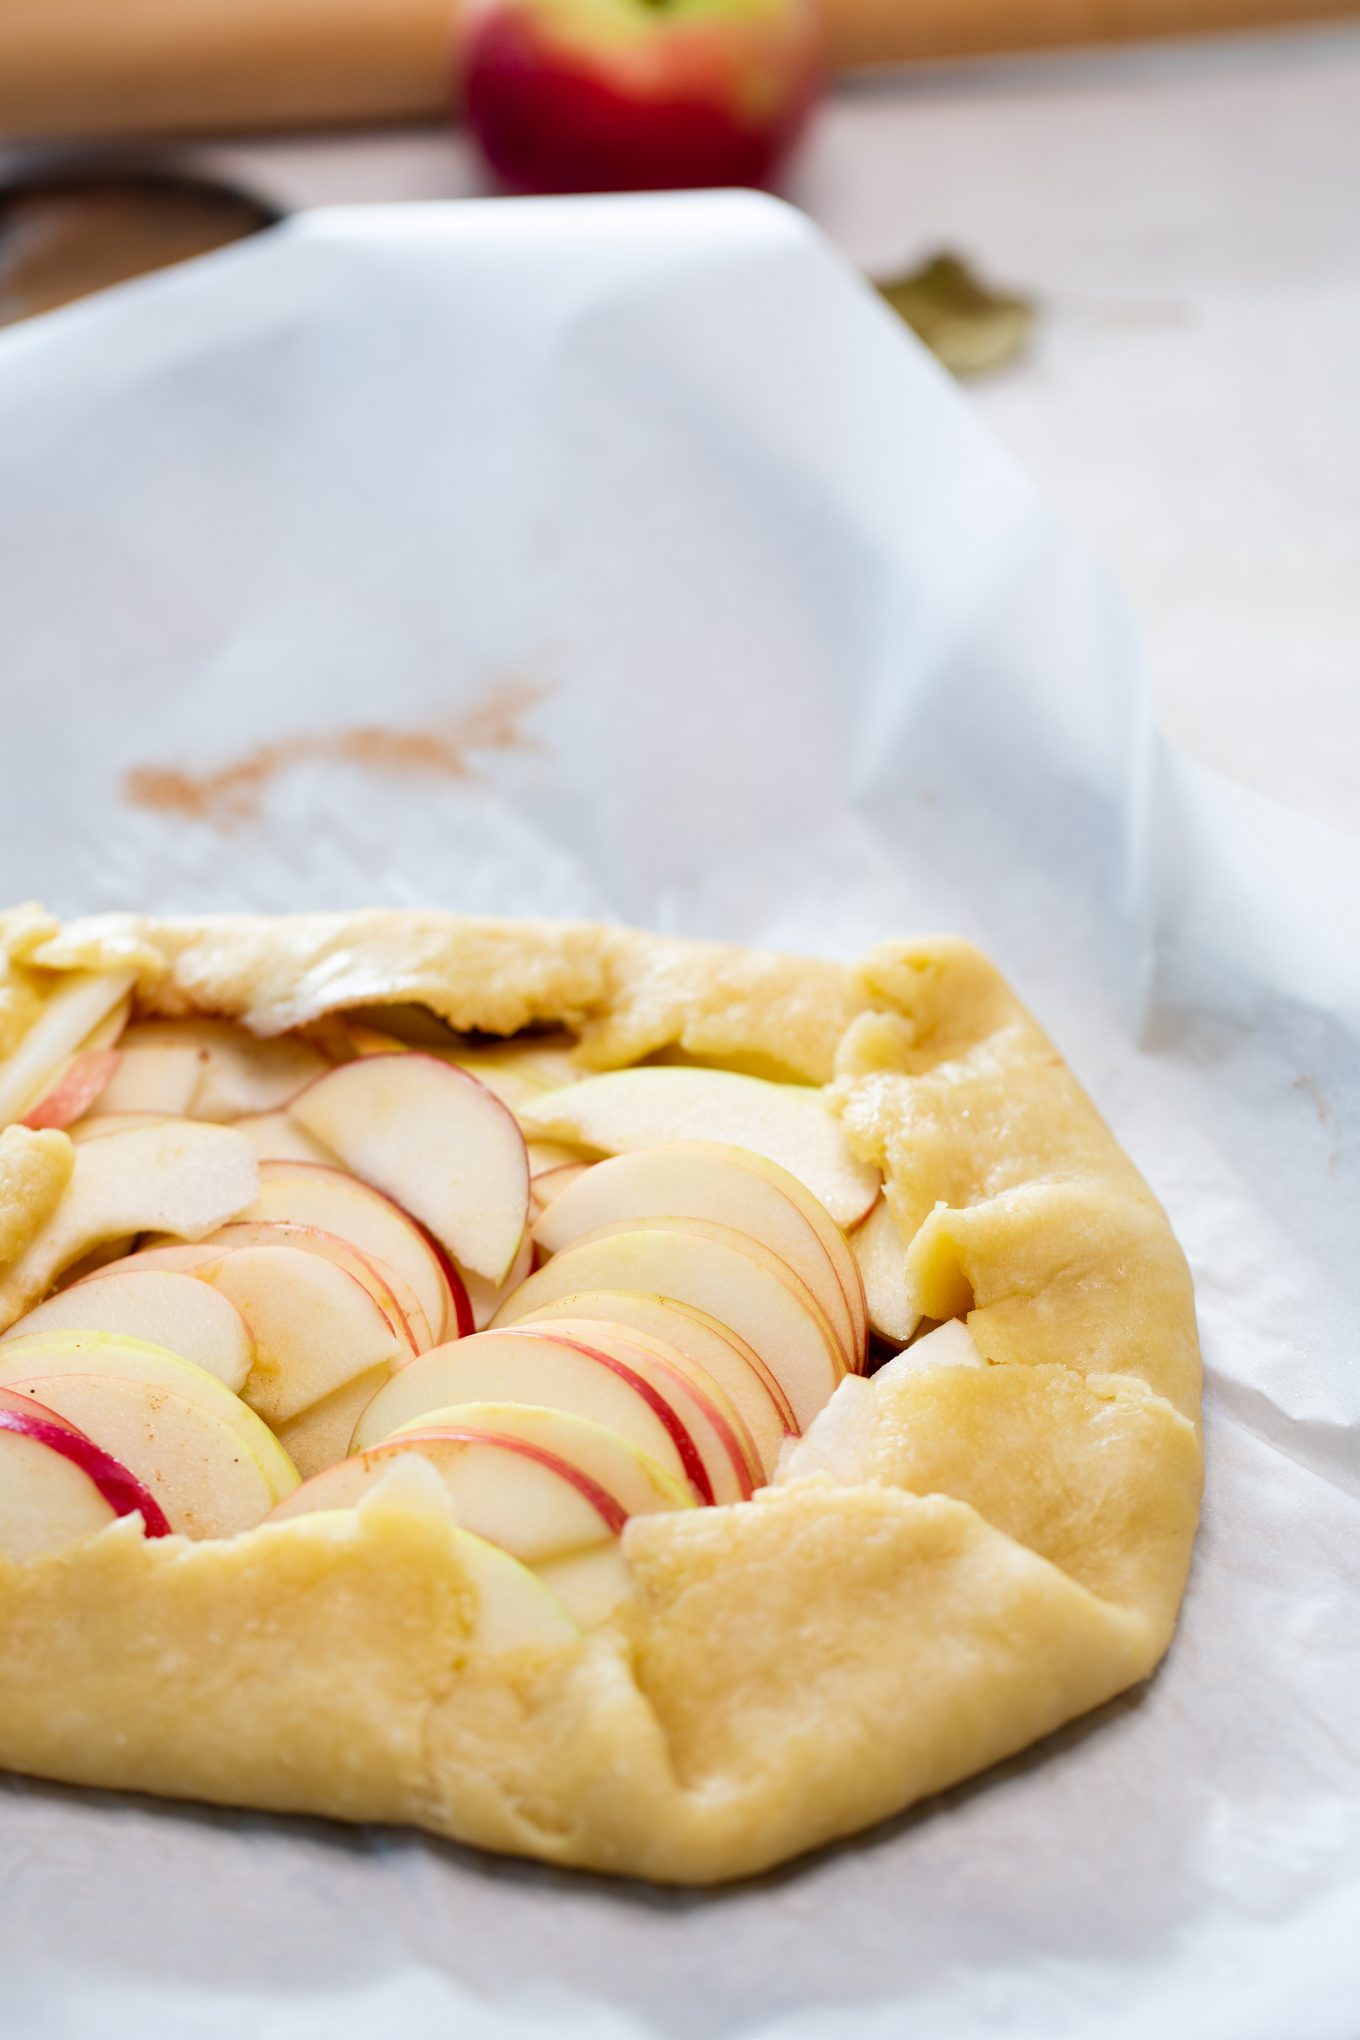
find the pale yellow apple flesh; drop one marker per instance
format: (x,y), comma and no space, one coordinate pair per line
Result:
(881,1253)
(160,1077)
(702,1180)
(173,1177)
(239,1072)
(275,1138)
(158,1305)
(301,1193)
(532,1366)
(649,1107)
(95,1125)
(320,1435)
(486,1298)
(70,1015)
(314,1325)
(434,1139)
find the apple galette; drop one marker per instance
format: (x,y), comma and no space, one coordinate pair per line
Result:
(632,1402)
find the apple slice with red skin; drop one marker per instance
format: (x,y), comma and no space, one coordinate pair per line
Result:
(542,1484)
(652,1106)
(158,1305)
(769,1309)
(398,1303)
(71,1013)
(174,1177)
(726,1359)
(55,1354)
(726,1445)
(193,1462)
(57,1487)
(549,1372)
(309,1193)
(75,1090)
(635,1484)
(705,1180)
(435,1140)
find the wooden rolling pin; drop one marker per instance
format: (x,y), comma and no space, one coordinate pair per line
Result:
(100,67)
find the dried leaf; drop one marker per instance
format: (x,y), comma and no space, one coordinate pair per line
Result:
(967,325)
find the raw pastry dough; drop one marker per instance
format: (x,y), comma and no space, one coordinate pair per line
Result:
(789,1669)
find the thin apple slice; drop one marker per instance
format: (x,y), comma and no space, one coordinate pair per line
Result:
(532,1504)
(190,1460)
(437,1141)
(485,1298)
(174,1177)
(160,1306)
(552,1154)
(746,1243)
(767,1309)
(736,1367)
(320,1435)
(535,1367)
(95,1125)
(703,1180)
(881,1253)
(56,1354)
(75,1089)
(239,1072)
(633,1481)
(308,1193)
(790,1124)
(276,1138)
(833,1241)
(543,1189)
(155,1076)
(316,1328)
(398,1303)
(71,1013)
(731,1460)
(58,1488)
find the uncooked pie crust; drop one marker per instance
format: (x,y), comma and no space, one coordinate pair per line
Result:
(789,1669)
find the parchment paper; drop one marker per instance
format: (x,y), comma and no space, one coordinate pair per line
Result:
(732,622)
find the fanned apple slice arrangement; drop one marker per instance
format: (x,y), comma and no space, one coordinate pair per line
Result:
(286,1273)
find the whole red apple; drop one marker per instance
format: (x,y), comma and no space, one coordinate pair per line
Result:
(625,95)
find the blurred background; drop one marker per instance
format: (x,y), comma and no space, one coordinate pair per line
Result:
(1132,225)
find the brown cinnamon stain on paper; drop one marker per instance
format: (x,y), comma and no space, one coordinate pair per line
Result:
(1326,1113)
(234,793)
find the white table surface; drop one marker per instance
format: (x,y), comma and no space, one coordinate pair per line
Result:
(1191,215)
